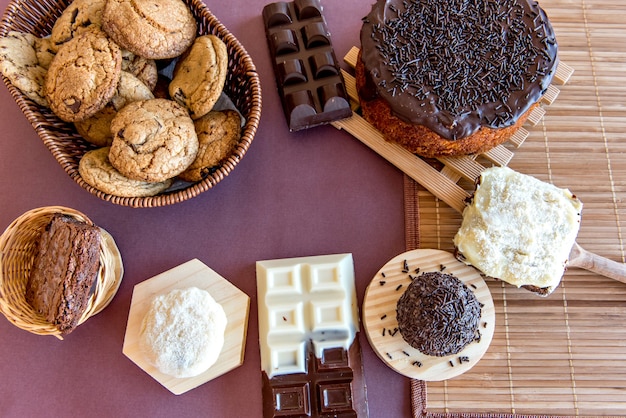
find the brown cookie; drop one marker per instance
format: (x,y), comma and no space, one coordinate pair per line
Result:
(79,15)
(45,52)
(142,68)
(153,140)
(20,64)
(97,171)
(97,128)
(200,74)
(218,133)
(83,76)
(150,29)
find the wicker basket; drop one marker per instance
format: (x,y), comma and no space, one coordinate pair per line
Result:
(242,87)
(18,247)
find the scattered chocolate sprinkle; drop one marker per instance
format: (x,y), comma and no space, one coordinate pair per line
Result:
(473,286)
(463,359)
(405,353)
(382,282)
(384,330)
(405,267)
(382,273)
(417,363)
(451,363)
(390,356)
(442,267)
(383,317)
(399,287)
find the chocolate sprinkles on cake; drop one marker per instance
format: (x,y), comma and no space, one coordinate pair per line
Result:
(438,314)
(469,63)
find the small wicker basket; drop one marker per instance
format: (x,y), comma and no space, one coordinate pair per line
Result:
(18,248)
(242,87)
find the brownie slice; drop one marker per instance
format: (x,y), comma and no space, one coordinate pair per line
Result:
(64,271)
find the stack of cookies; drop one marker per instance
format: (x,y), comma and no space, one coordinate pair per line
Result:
(137,83)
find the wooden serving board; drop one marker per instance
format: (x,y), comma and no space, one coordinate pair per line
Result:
(193,273)
(442,184)
(381,326)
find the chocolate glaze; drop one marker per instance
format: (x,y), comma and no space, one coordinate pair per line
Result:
(333,386)
(455,66)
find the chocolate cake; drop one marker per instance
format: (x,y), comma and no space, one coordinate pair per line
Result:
(438,314)
(64,271)
(453,77)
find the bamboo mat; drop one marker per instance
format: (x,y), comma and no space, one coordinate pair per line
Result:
(564,354)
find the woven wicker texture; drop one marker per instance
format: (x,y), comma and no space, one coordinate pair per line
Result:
(18,248)
(561,355)
(242,87)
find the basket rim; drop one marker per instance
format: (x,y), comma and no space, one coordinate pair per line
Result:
(252,118)
(109,278)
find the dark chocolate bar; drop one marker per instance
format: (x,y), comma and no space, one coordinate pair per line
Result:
(333,386)
(307,73)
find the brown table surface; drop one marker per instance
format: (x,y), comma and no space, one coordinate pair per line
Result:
(294,194)
(322,191)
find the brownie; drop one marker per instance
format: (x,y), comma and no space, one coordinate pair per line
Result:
(64,270)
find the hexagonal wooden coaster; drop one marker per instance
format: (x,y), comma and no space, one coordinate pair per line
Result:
(193,273)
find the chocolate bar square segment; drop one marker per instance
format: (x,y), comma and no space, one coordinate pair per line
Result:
(284,42)
(308,9)
(292,400)
(291,72)
(305,64)
(316,35)
(334,358)
(276,14)
(324,65)
(335,398)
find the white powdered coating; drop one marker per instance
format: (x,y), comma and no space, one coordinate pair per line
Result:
(519,229)
(183,332)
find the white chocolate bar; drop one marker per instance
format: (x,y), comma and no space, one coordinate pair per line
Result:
(302,299)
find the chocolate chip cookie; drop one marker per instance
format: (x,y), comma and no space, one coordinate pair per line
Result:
(200,74)
(97,128)
(79,15)
(153,140)
(97,171)
(20,64)
(150,29)
(218,134)
(83,76)
(143,68)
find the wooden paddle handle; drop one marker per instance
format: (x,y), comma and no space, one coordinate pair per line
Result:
(579,257)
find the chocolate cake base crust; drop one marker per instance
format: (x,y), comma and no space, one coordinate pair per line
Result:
(64,271)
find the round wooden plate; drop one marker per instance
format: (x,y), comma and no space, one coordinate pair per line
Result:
(381,327)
